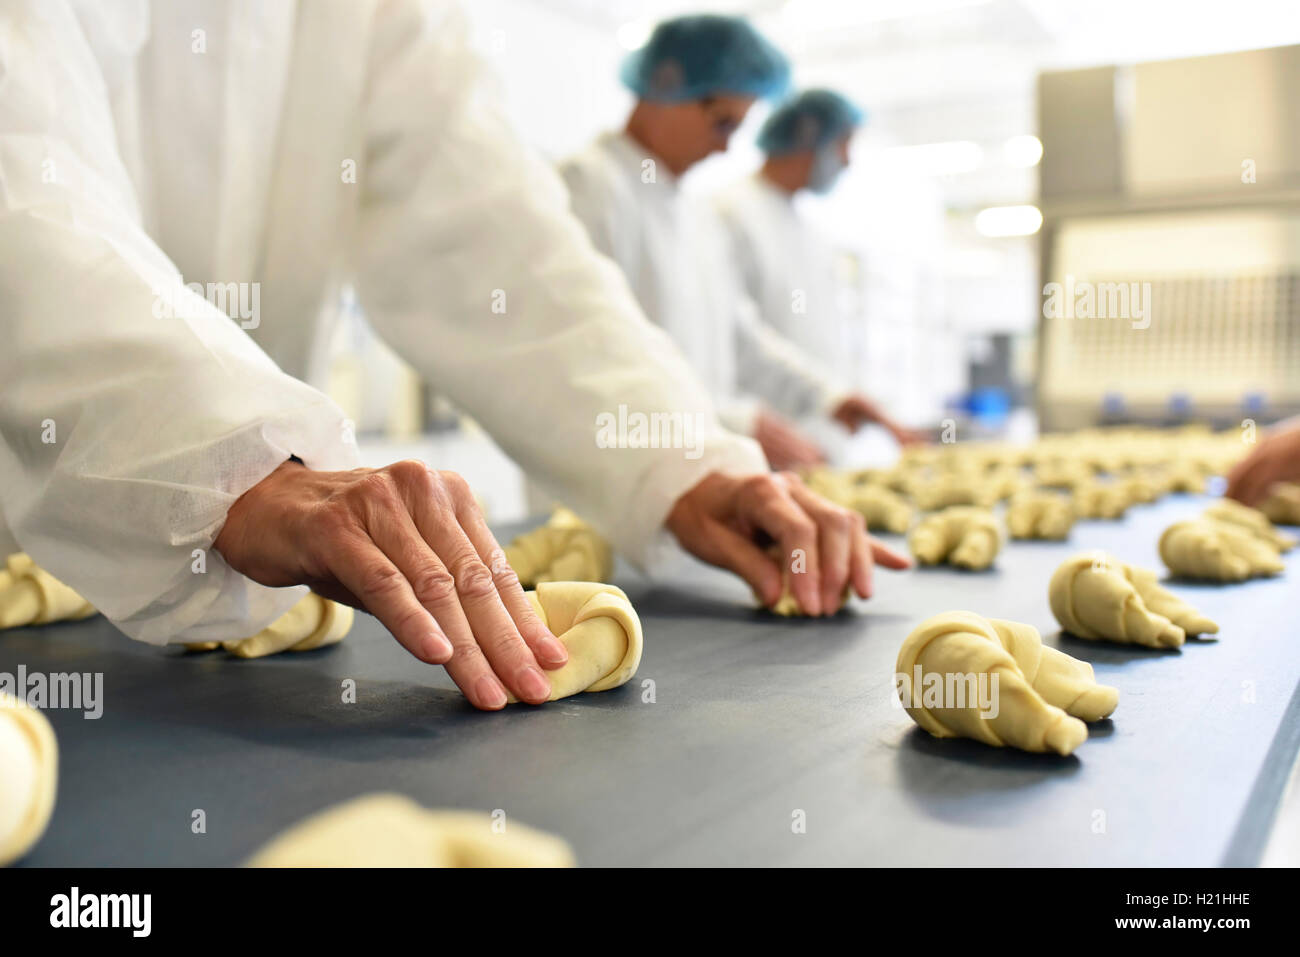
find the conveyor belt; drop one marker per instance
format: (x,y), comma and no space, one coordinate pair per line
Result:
(753,720)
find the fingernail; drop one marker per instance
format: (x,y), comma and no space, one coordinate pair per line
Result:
(533,685)
(552,651)
(437,645)
(490,693)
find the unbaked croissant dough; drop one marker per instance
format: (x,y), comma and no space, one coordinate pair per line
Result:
(1100,500)
(389,830)
(597,626)
(954,489)
(1184,476)
(1252,520)
(314,622)
(1282,506)
(1043,696)
(29,595)
(564,549)
(1040,514)
(1218,551)
(961,535)
(882,509)
(29,762)
(1094,595)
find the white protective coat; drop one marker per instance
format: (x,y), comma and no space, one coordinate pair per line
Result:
(144,142)
(788,269)
(673,251)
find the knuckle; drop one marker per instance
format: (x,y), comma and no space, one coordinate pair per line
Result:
(376,487)
(381,580)
(410,472)
(433,585)
(474,579)
(455,484)
(504,575)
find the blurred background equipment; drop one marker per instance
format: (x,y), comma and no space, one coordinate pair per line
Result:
(1178,181)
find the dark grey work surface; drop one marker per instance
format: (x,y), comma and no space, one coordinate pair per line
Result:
(754,718)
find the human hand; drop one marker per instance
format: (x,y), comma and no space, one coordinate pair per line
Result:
(730,521)
(409,544)
(1275,458)
(783,444)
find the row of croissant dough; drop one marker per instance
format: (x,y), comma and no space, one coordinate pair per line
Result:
(1044,697)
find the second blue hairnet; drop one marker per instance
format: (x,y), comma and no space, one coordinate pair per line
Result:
(808,122)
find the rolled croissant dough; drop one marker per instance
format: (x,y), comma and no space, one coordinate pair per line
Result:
(1282,505)
(1252,520)
(961,535)
(564,549)
(314,622)
(1041,515)
(29,595)
(29,760)
(1094,595)
(389,830)
(1042,697)
(1217,551)
(598,627)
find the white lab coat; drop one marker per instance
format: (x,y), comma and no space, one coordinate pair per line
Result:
(788,269)
(140,142)
(673,251)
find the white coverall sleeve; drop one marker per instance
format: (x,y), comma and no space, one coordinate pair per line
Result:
(124,435)
(472,267)
(771,366)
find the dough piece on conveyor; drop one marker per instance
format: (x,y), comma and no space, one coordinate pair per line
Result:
(564,549)
(1062,473)
(1096,596)
(389,830)
(598,627)
(1217,551)
(1143,488)
(1041,698)
(29,765)
(882,509)
(1040,514)
(962,535)
(1282,506)
(1252,520)
(1100,500)
(314,622)
(1185,477)
(29,595)
(949,490)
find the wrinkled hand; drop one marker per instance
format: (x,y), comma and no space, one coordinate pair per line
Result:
(857,411)
(1276,458)
(408,544)
(730,521)
(783,444)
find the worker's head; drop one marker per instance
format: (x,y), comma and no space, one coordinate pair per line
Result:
(807,138)
(695,79)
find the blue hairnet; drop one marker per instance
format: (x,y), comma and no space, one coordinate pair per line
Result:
(689,58)
(808,122)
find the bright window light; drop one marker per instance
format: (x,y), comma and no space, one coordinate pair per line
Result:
(633,34)
(1023,151)
(938,159)
(997,222)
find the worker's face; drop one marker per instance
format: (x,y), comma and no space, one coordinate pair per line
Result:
(705,126)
